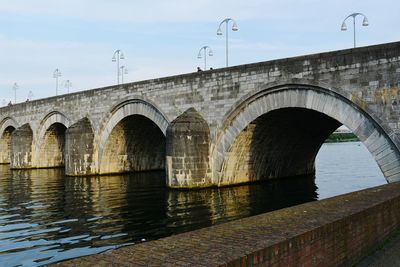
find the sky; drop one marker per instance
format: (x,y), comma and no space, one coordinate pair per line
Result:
(163,37)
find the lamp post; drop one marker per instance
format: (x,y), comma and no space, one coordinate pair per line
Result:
(56,75)
(116,57)
(210,53)
(219,32)
(123,70)
(15,88)
(354,15)
(68,85)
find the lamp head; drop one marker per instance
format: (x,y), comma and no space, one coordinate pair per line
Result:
(121,55)
(210,53)
(113,59)
(234,26)
(57,73)
(219,32)
(365,22)
(344,26)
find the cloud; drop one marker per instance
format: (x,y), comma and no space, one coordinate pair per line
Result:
(162,37)
(156,10)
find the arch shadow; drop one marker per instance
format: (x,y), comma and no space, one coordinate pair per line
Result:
(130,126)
(313,113)
(50,140)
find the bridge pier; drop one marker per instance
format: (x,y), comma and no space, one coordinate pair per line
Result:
(5,145)
(21,147)
(188,145)
(79,157)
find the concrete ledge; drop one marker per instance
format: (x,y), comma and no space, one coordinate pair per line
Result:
(334,232)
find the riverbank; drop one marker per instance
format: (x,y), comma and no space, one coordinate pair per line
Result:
(338,137)
(315,233)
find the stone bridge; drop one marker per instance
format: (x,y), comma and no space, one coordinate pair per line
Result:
(219,127)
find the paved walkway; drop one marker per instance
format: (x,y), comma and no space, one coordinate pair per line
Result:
(388,255)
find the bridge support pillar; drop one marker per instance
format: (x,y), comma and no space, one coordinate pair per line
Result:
(79,149)
(187,152)
(5,146)
(21,147)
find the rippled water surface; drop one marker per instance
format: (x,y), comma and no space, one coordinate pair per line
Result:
(46,217)
(345,167)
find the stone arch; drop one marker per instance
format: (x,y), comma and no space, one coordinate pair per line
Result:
(50,142)
(118,135)
(296,102)
(79,148)
(7,127)
(21,147)
(51,118)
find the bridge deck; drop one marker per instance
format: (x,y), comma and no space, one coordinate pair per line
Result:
(331,232)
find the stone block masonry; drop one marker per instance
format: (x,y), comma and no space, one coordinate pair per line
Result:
(188,151)
(333,232)
(21,143)
(258,121)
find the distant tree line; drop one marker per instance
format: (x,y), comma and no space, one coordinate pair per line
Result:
(341,137)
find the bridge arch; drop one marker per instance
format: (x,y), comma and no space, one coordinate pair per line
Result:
(50,143)
(7,127)
(296,119)
(132,138)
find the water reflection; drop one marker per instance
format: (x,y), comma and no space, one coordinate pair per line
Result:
(47,217)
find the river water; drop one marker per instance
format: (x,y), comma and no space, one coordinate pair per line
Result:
(46,217)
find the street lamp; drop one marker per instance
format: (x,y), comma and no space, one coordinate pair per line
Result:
(116,57)
(354,15)
(123,70)
(15,88)
(57,74)
(219,32)
(68,85)
(210,53)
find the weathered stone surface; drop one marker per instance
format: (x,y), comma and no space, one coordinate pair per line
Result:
(21,147)
(355,87)
(188,146)
(5,145)
(79,139)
